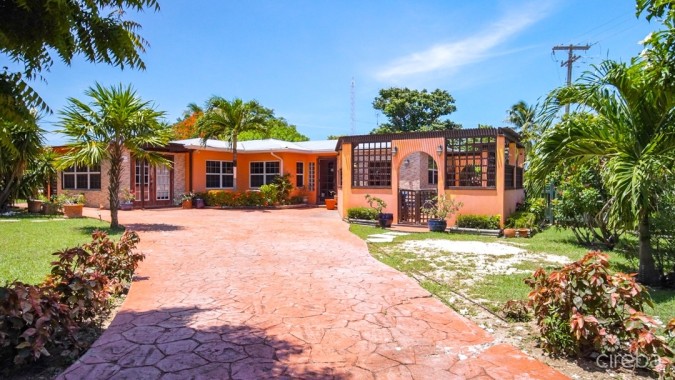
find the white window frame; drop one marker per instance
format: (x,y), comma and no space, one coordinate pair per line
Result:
(300,175)
(220,174)
(87,170)
(265,173)
(311,172)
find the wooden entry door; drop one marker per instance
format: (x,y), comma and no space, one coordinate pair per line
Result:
(152,185)
(327,178)
(410,204)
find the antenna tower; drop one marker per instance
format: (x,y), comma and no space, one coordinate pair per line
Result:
(353,107)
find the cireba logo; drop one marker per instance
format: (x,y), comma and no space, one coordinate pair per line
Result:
(626,361)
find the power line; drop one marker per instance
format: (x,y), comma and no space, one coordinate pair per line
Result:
(570,60)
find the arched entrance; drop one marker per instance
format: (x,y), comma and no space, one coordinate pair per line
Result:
(417,183)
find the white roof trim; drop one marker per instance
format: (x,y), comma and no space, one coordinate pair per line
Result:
(262,146)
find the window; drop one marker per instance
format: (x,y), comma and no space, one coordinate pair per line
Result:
(471,162)
(312,175)
(372,164)
(432,172)
(219,174)
(299,174)
(263,173)
(82,177)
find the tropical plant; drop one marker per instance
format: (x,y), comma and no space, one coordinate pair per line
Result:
(439,207)
(116,120)
(632,136)
(376,203)
(20,147)
(223,119)
(35,33)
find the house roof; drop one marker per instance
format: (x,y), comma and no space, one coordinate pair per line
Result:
(449,134)
(267,145)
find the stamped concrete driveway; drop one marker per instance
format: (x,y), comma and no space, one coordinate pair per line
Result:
(282,294)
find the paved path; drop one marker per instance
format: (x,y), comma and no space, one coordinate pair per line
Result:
(282,294)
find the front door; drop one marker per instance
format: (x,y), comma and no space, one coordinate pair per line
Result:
(327,178)
(152,185)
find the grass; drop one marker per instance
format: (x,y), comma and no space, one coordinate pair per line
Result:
(27,243)
(493,291)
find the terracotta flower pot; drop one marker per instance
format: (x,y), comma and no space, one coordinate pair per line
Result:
(34,206)
(72,211)
(524,232)
(187,203)
(330,203)
(509,232)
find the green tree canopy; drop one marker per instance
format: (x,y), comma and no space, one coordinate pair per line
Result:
(275,128)
(115,120)
(413,110)
(33,33)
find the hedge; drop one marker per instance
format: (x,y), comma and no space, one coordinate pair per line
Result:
(485,222)
(362,213)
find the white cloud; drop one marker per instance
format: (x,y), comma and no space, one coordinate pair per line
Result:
(475,48)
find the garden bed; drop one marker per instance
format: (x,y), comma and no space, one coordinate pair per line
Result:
(474,231)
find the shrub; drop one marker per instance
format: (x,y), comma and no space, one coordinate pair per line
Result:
(522,219)
(32,321)
(269,193)
(362,213)
(220,198)
(486,222)
(583,308)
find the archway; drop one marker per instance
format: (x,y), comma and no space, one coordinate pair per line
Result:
(417,183)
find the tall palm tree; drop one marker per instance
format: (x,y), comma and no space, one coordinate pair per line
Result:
(115,120)
(21,144)
(225,120)
(633,135)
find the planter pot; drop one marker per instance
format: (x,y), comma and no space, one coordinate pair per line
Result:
(199,203)
(330,203)
(509,232)
(523,232)
(127,206)
(35,207)
(72,211)
(437,225)
(50,208)
(385,219)
(187,203)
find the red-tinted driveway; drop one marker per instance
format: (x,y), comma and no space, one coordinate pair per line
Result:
(282,294)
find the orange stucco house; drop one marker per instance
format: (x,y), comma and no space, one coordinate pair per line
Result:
(482,168)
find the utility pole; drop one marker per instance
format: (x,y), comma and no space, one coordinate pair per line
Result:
(570,60)
(353,107)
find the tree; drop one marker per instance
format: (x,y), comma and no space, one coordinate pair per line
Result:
(186,127)
(22,145)
(521,116)
(115,120)
(632,136)
(34,32)
(275,128)
(414,110)
(226,120)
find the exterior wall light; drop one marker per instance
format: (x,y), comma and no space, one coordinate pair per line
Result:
(439,150)
(394,151)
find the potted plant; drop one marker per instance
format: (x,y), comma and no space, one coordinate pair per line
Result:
(198,200)
(185,200)
(49,206)
(331,202)
(71,204)
(127,199)
(438,209)
(35,204)
(384,219)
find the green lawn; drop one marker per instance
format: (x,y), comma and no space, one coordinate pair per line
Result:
(27,243)
(493,291)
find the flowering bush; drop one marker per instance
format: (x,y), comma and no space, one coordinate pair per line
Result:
(583,308)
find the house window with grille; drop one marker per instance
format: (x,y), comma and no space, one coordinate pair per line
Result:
(299,174)
(471,162)
(372,164)
(263,173)
(219,174)
(311,168)
(81,177)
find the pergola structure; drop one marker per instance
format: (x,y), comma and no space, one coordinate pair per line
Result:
(482,168)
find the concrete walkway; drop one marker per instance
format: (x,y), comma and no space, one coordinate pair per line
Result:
(282,294)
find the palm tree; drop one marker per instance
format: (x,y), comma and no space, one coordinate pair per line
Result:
(225,120)
(633,135)
(116,120)
(20,145)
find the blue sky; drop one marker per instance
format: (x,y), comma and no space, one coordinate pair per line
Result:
(299,57)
